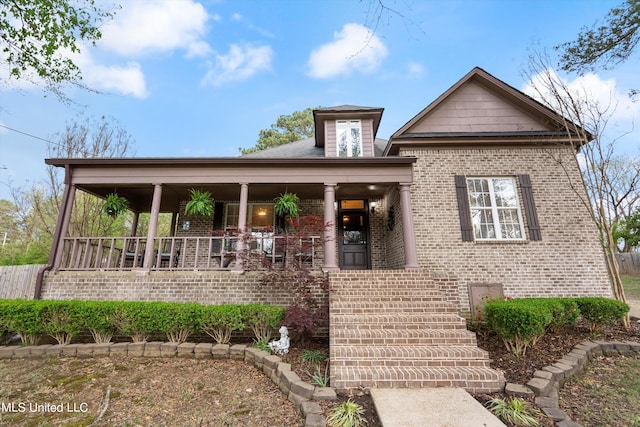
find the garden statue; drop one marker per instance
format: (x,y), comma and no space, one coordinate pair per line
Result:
(281,346)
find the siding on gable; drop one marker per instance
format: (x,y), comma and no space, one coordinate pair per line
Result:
(473,108)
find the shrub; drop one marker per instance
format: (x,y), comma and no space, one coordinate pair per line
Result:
(319,378)
(176,320)
(347,414)
(22,317)
(563,311)
(520,323)
(313,356)
(61,320)
(262,345)
(135,320)
(218,321)
(262,319)
(598,311)
(303,321)
(99,318)
(516,411)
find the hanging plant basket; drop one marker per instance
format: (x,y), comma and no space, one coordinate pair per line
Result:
(286,205)
(201,203)
(114,205)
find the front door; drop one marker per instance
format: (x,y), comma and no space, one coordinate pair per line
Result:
(353,234)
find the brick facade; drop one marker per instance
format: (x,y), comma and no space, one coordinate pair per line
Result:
(568,261)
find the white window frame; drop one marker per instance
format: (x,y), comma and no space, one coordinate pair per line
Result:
(498,214)
(353,148)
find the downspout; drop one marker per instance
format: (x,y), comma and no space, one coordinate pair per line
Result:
(57,233)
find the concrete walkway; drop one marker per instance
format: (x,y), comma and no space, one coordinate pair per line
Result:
(433,407)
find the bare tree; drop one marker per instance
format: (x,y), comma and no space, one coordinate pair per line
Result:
(40,205)
(610,189)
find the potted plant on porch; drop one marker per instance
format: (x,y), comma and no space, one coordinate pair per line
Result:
(286,204)
(115,205)
(201,203)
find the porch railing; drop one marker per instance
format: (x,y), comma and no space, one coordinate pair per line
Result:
(186,253)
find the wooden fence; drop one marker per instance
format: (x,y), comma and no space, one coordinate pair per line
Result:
(18,281)
(628,263)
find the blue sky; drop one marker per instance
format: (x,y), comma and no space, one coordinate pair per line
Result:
(201,78)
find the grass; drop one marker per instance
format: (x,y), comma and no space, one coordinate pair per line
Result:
(616,384)
(631,286)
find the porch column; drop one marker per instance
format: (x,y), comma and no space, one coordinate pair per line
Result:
(408,232)
(65,214)
(153,226)
(242,224)
(134,224)
(330,227)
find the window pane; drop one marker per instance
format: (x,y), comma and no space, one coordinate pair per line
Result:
(342,143)
(233,210)
(262,216)
(510,224)
(356,142)
(505,193)
(483,226)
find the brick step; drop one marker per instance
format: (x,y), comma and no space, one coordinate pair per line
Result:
(379,355)
(400,321)
(473,379)
(365,307)
(388,298)
(343,336)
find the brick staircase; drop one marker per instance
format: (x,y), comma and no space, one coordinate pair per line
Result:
(394,329)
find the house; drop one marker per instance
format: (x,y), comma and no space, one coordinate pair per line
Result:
(479,193)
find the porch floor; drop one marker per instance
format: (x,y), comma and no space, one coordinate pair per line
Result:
(394,329)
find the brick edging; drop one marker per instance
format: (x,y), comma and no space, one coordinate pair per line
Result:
(303,394)
(546,382)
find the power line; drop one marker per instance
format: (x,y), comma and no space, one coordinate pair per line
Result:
(31,136)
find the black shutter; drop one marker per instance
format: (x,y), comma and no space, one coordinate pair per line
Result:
(530,207)
(464,211)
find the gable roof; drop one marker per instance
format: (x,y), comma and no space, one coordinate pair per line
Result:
(479,109)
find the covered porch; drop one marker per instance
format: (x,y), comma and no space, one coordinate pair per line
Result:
(364,205)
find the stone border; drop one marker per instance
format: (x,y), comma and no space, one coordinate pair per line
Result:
(301,393)
(546,382)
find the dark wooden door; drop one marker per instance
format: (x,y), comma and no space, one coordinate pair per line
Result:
(353,239)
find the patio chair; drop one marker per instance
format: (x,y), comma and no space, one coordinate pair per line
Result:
(169,257)
(222,258)
(276,252)
(134,254)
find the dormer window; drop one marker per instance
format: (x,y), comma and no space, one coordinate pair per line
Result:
(349,138)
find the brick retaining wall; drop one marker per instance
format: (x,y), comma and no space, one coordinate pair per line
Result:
(210,287)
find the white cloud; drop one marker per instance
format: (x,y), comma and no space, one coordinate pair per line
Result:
(415,69)
(592,87)
(353,48)
(240,63)
(128,80)
(144,26)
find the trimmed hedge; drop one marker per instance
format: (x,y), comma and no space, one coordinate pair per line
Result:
(521,322)
(601,311)
(137,320)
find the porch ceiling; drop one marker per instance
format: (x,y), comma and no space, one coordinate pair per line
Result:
(134,178)
(140,196)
